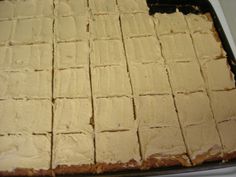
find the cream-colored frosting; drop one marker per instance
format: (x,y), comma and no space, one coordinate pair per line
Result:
(30,116)
(6,10)
(218,74)
(74,54)
(105,27)
(143,49)
(161,142)
(193,109)
(224,104)
(186,77)
(139,24)
(156,111)
(72,83)
(113,147)
(110,81)
(32,30)
(227,133)
(100,7)
(25,151)
(5,31)
(107,52)
(132,6)
(25,84)
(38,56)
(212,50)
(149,79)
(73,149)
(201,138)
(72,115)
(33,8)
(199,23)
(71,7)
(170,23)
(113,114)
(71,28)
(177,47)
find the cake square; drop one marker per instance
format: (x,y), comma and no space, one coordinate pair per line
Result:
(199,23)
(156,111)
(25,116)
(33,8)
(143,49)
(73,149)
(25,151)
(203,142)
(132,6)
(72,54)
(100,7)
(170,23)
(71,7)
(110,81)
(107,52)
(227,134)
(177,47)
(71,28)
(105,27)
(117,147)
(6,10)
(185,77)
(25,84)
(27,57)
(113,114)
(29,31)
(149,79)
(5,31)
(223,105)
(137,25)
(212,50)
(72,115)
(161,142)
(218,75)
(72,83)
(193,109)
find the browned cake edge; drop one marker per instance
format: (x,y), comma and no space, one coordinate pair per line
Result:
(27,172)
(229,156)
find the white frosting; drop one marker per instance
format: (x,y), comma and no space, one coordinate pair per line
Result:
(25,84)
(113,147)
(71,7)
(71,28)
(19,116)
(38,56)
(113,114)
(25,151)
(149,79)
(193,109)
(161,142)
(72,54)
(143,49)
(110,81)
(72,83)
(107,52)
(103,6)
(170,23)
(72,115)
(134,25)
(186,77)
(132,6)
(177,47)
(156,111)
(105,27)
(73,149)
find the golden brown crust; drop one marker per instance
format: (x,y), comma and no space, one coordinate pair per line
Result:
(26,172)
(74,169)
(229,156)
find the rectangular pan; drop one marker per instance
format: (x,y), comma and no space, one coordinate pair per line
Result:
(185,6)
